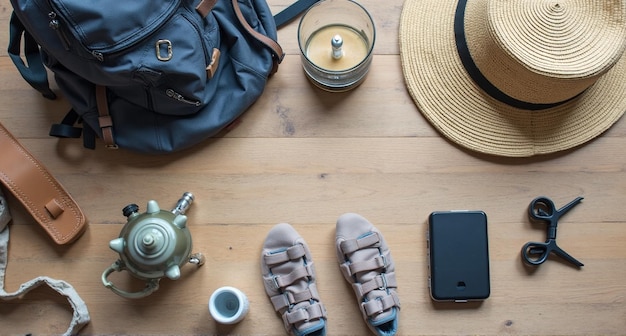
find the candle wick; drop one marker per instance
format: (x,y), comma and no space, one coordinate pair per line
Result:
(337,43)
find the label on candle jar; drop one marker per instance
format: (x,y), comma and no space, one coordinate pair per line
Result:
(319,48)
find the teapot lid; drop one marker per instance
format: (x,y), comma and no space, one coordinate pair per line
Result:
(151,243)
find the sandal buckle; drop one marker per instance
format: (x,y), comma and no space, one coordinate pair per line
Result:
(275,280)
(384,279)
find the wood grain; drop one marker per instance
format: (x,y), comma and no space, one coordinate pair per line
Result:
(304,156)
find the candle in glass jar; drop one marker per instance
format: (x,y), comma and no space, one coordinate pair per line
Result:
(319,48)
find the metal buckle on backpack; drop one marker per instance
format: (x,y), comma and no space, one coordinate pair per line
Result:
(167,45)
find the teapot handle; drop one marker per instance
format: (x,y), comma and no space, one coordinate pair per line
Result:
(151,285)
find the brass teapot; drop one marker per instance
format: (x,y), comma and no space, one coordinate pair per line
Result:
(153,245)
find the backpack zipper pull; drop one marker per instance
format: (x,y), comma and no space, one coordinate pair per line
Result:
(98,55)
(173,94)
(56,26)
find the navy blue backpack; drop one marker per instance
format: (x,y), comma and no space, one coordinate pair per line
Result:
(153,76)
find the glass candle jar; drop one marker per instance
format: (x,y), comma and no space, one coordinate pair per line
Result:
(336,39)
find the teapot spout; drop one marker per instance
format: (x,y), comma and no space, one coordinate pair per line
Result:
(183,204)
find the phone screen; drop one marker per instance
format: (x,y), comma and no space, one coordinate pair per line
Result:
(458,256)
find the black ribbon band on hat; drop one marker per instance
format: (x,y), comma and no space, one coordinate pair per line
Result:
(478,77)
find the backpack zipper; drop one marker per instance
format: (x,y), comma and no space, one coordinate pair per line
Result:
(98,55)
(56,26)
(101,54)
(175,95)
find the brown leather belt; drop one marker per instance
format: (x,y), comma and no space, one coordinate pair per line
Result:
(40,193)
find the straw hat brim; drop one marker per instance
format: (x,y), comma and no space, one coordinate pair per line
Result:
(451,101)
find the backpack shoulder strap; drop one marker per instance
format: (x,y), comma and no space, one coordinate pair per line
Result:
(277,50)
(205,7)
(34,73)
(282,18)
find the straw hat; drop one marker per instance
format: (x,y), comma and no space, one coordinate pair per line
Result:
(516,77)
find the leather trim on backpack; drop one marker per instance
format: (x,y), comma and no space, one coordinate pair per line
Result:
(211,69)
(104,119)
(205,7)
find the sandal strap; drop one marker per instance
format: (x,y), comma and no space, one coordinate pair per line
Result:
(380,304)
(380,261)
(288,298)
(277,282)
(353,245)
(293,253)
(311,312)
(381,282)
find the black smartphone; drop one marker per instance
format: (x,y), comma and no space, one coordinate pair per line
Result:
(458,253)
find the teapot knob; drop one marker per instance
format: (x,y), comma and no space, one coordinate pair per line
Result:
(148,241)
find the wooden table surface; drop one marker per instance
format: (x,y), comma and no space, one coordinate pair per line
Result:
(305,157)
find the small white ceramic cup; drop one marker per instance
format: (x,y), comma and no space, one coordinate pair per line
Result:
(228,305)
